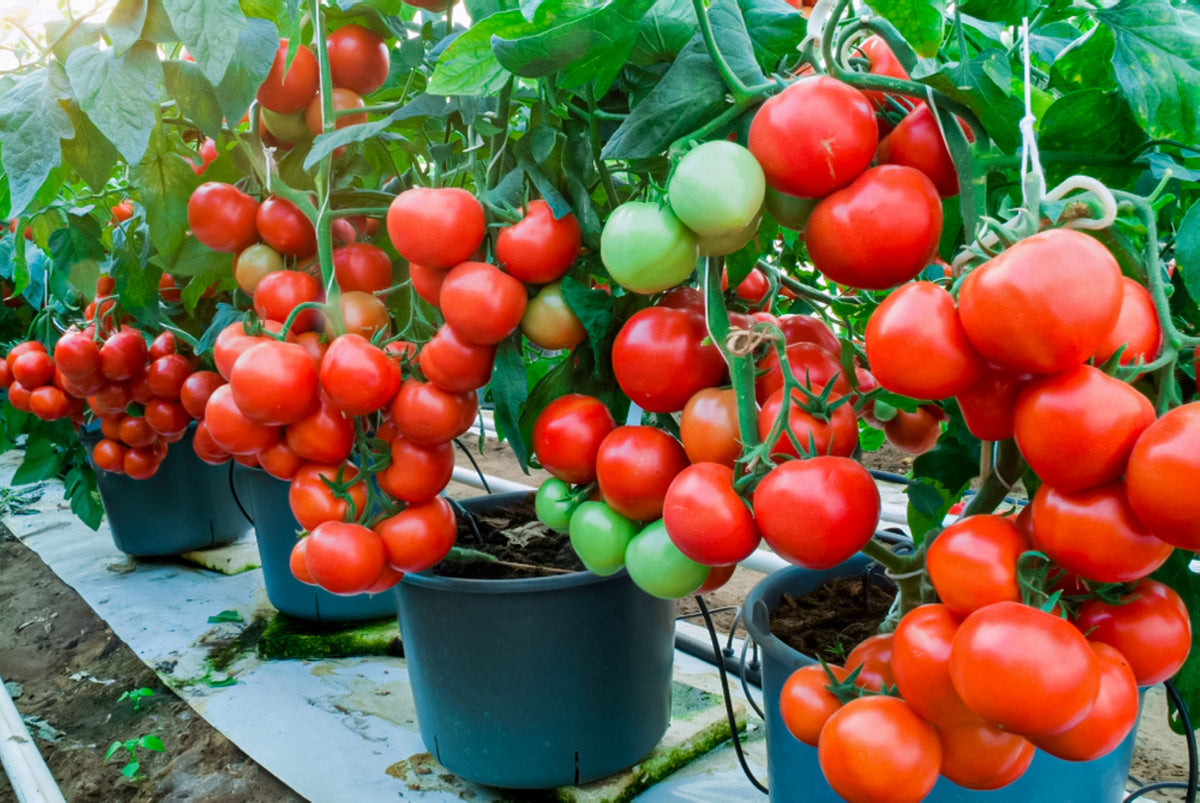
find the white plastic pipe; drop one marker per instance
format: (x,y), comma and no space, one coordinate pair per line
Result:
(27,772)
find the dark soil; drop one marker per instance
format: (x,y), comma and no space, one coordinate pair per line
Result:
(523,546)
(834,618)
(72,669)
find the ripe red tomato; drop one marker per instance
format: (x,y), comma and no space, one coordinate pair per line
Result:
(357,377)
(49,403)
(814,137)
(1023,317)
(878,748)
(704,516)
(362,314)
(76,355)
(344,558)
(123,356)
(18,396)
(139,388)
(417,473)
(298,562)
(835,433)
(539,249)
(1137,327)
(989,403)
(879,232)
(167,374)
(418,536)
(809,329)
(709,427)
(660,361)
(110,399)
(122,211)
(229,427)
(1150,626)
(811,364)
(437,228)
(288,93)
(817,512)
(1045,687)
(481,303)
(222,217)
(108,455)
(324,436)
(285,228)
(917,346)
(207,153)
(873,658)
(1112,717)
(973,562)
(313,502)
(455,365)
(343,100)
(274,383)
(168,289)
(567,435)
(917,142)
(195,390)
(806,704)
(280,461)
(635,466)
(427,415)
(883,62)
(135,431)
(979,756)
(359,266)
(1077,428)
(206,448)
(916,432)
(358,59)
(35,368)
(141,463)
(921,665)
(166,418)
(1162,475)
(427,282)
(280,292)
(164,343)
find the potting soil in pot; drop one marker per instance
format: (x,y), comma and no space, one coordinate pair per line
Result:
(834,618)
(522,546)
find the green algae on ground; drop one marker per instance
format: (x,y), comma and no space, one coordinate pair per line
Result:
(288,638)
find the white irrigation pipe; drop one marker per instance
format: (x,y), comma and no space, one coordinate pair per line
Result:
(26,769)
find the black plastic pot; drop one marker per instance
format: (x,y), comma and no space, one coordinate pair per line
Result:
(266,501)
(191,503)
(795,775)
(537,683)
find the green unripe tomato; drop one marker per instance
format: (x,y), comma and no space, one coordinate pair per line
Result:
(789,211)
(552,504)
(720,245)
(717,188)
(658,567)
(646,249)
(287,127)
(600,535)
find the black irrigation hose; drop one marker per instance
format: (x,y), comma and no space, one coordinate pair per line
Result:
(237,499)
(733,728)
(1191,784)
(478,470)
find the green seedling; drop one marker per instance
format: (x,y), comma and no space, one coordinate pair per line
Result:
(135,697)
(132,768)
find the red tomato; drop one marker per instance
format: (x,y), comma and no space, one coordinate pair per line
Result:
(539,249)
(1112,717)
(427,282)
(1044,305)
(1077,428)
(135,431)
(195,390)
(164,343)
(206,448)
(1093,533)
(288,93)
(362,314)
(814,137)
(280,461)
(35,368)
(817,512)
(879,749)
(917,346)
(6,377)
(704,516)
(811,364)
(344,558)
(280,292)
(1162,476)
(1150,626)
(809,329)
(482,304)
(108,455)
(112,398)
(916,432)
(343,100)
(635,466)
(18,396)
(417,473)
(806,704)
(122,211)
(49,403)
(874,656)
(921,665)
(274,383)
(222,217)
(76,355)
(567,435)
(357,377)
(168,289)
(979,756)
(285,228)
(1045,687)
(427,415)
(324,436)
(973,563)
(139,388)
(359,266)
(313,502)
(717,577)
(167,374)
(834,433)
(879,232)
(1137,327)
(660,362)
(709,427)
(166,418)
(455,365)
(358,59)
(917,142)
(437,228)
(229,427)
(123,356)
(883,62)
(989,403)
(207,153)
(140,463)
(418,536)
(298,563)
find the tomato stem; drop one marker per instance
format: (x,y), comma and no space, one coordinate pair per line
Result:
(741,367)
(1006,470)
(741,93)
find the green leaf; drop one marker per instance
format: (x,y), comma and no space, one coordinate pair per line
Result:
(928,504)
(130,770)
(664,31)
(209,29)
(1177,573)
(78,241)
(124,25)
(775,29)
(509,389)
(919,21)
(224,316)
(32,121)
(151,742)
(983,84)
(195,259)
(165,180)
(1157,64)
(112,748)
(1187,252)
(1087,63)
(81,489)
(468,66)
(158,27)
(1009,12)
(120,95)
(65,36)
(195,95)
(1090,121)
(225,616)
(949,463)
(137,281)
(43,459)
(424,105)
(594,309)
(89,153)
(256,45)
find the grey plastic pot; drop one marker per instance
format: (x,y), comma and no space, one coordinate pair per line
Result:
(266,501)
(191,503)
(537,683)
(792,768)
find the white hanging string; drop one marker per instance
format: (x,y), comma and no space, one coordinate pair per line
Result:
(1033,178)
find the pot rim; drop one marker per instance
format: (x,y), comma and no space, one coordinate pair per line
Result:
(524,585)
